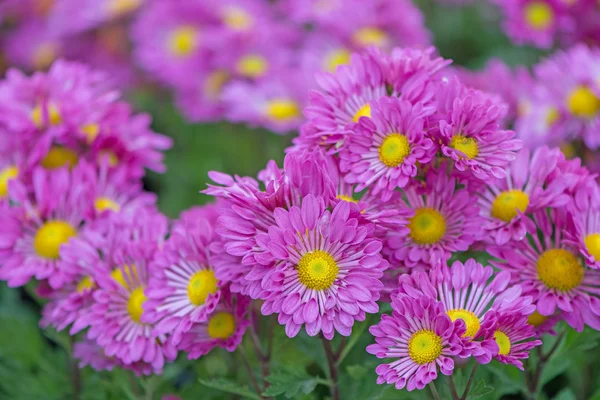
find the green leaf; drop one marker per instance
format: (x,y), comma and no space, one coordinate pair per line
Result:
(289,384)
(228,386)
(479,389)
(565,394)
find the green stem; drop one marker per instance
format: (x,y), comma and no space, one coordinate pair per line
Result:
(250,372)
(469,382)
(434,392)
(333,371)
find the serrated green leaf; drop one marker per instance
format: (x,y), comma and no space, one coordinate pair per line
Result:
(228,386)
(289,384)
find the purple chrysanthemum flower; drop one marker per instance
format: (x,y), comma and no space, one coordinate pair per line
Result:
(33,46)
(525,189)
(326,268)
(584,215)
(39,224)
(87,352)
(224,328)
(446,219)
(511,332)
(419,337)
(182,288)
(469,131)
(551,271)
(382,152)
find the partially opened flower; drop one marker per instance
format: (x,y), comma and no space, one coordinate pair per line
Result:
(224,328)
(526,188)
(446,219)
(419,338)
(382,152)
(470,134)
(327,268)
(551,271)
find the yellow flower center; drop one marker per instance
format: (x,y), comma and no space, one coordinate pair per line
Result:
(85,283)
(317,270)
(347,198)
(368,36)
(183,40)
(336,58)
(104,203)
(201,284)
(237,18)
(428,226)
(582,102)
(471,321)
(121,7)
(364,111)
(130,271)
(50,236)
(44,55)
(38,117)
(6,175)
(58,157)
(539,15)
(552,116)
(252,66)
(214,83)
(221,325)
(592,244)
(536,319)
(507,203)
(91,131)
(569,150)
(282,110)
(394,149)
(560,269)
(135,304)
(503,342)
(466,145)
(112,158)
(424,346)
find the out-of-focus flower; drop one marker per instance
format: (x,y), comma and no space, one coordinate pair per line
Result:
(584,215)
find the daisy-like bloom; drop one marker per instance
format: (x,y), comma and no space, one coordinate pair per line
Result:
(535,22)
(572,80)
(551,271)
(584,217)
(275,104)
(469,132)
(117,322)
(224,328)
(183,289)
(446,219)
(39,224)
(467,292)
(326,268)
(525,189)
(420,338)
(511,331)
(382,151)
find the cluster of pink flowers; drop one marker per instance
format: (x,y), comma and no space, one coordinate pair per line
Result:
(253,61)
(544,23)
(76,220)
(399,167)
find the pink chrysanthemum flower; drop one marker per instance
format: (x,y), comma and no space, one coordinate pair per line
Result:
(382,152)
(87,352)
(118,324)
(511,332)
(224,328)
(584,216)
(327,268)
(525,189)
(420,338)
(536,22)
(571,78)
(446,219)
(551,272)
(183,289)
(39,224)
(469,132)
(467,292)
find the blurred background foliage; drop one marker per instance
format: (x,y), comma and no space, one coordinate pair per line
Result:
(35,364)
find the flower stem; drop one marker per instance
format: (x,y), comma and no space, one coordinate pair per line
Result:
(469,382)
(434,391)
(333,371)
(264,358)
(533,380)
(250,372)
(452,386)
